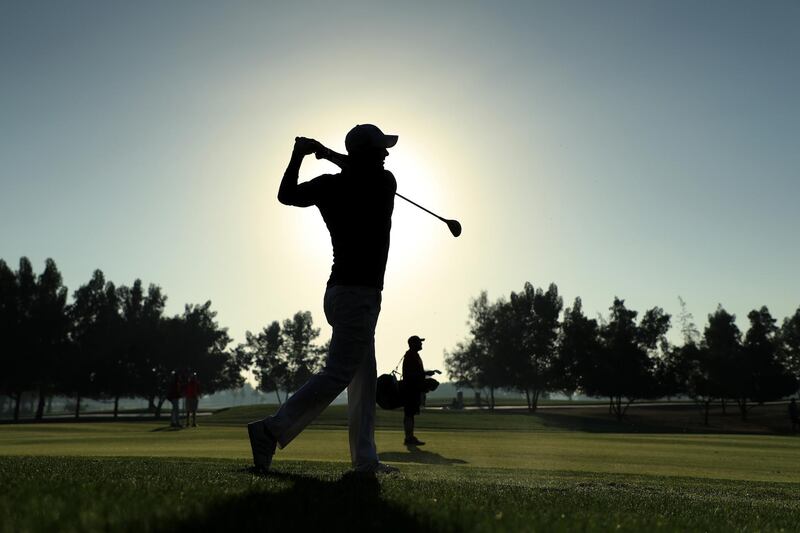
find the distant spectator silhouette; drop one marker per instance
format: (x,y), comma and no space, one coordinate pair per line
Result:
(794,416)
(458,401)
(356,206)
(413,388)
(174,394)
(192,399)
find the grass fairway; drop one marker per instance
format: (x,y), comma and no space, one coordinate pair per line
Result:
(479,472)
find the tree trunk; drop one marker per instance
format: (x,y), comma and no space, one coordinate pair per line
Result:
(743,408)
(278,395)
(17,401)
(528,398)
(151,404)
(78,406)
(625,410)
(616,404)
(491,398)
(535,403)
(40,406)
(724,403)
(116,406)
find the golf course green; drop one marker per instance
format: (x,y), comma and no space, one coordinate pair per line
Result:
(478,471)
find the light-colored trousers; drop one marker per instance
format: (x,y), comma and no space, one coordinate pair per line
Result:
(353,314)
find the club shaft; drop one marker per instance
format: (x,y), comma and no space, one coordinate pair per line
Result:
(416,204)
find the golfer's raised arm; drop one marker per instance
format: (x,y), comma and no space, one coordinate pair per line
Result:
(290,193)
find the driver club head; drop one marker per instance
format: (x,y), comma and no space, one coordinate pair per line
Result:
(454,226)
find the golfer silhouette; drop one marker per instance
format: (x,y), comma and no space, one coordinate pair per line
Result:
(357,206)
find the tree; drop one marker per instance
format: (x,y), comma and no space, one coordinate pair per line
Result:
(623,367)
(150,359)
(578,347)
(90,315)
(689,330)
(508,345)
(50,326)
(693,367)
(200,347)
(131,301)
(111,368)
(485,334)
(236,361)
(789,344)
(285,357)
(10,358)
(480,358)
(763,378)
(676,364)
(23,336)
(723,340)
(463,365)
(302,358)
(652,339)
(265,349)
(547,306)
(526,334)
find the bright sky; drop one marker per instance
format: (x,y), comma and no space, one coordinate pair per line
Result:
(639,149)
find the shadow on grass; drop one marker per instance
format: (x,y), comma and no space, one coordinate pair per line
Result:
(350,503)
(416,455)
(660,420)
(592,424)
(166,428)
(82,420)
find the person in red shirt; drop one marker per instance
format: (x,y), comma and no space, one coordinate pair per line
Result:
(192,398)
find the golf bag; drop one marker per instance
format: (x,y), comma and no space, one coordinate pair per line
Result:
(388,395)
(431,385)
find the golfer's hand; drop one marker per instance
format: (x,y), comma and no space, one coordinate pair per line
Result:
(305,146)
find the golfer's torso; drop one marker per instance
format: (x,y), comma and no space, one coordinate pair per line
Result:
(358,212)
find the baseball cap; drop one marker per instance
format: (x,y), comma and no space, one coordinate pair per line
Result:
(367,136)
(413,338)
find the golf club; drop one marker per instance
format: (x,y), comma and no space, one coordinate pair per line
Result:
(340,160)
(453,225)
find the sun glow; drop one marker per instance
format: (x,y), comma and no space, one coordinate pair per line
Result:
(413,230)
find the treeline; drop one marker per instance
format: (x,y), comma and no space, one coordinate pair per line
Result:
(285,356)
(526,343)
(109,343)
